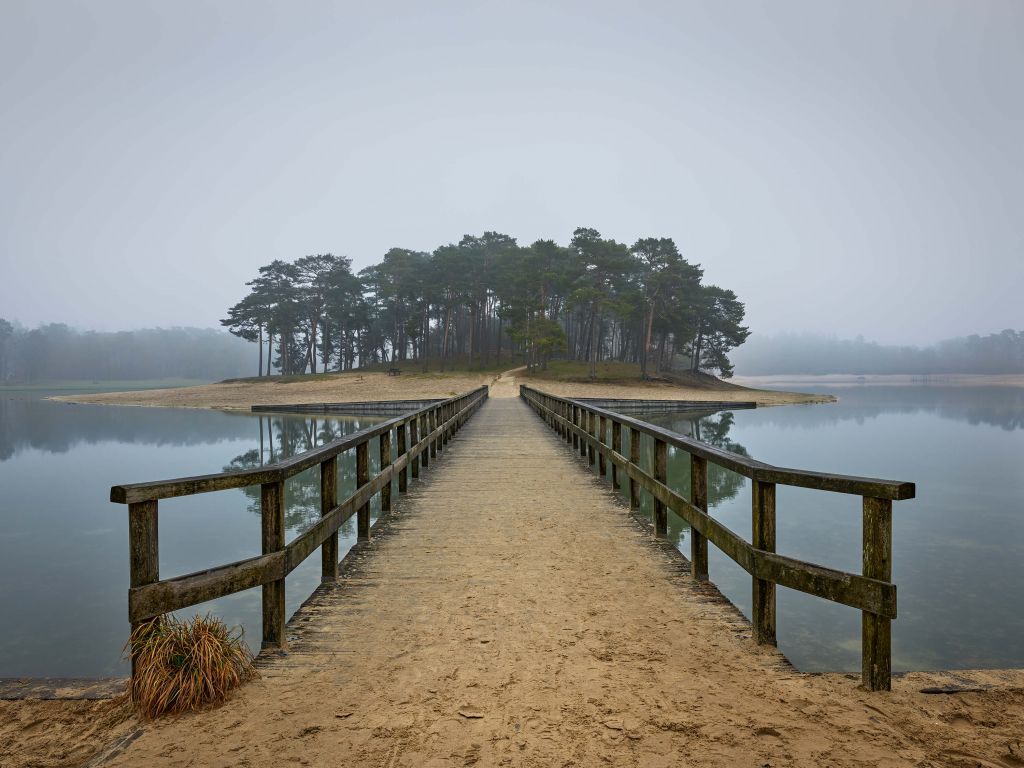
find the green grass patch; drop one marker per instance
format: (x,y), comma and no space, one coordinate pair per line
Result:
(610,372)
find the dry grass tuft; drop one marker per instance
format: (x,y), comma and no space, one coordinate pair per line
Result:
(183,666)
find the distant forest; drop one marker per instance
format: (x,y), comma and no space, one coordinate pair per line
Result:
(805,354)
(56,352)
(487,297)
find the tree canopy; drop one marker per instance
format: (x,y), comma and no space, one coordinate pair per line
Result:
(486,297)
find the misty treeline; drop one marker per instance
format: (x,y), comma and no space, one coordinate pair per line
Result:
(56,352)
(486,299)
(804,354)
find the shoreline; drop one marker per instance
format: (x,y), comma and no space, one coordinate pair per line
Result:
(887,379)
(241,395)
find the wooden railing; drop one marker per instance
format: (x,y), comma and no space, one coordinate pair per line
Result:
(419,436)
(587,426)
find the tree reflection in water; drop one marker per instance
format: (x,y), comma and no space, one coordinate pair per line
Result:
(282,437)
(723,484)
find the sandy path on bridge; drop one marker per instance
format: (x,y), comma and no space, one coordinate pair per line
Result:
(511,612)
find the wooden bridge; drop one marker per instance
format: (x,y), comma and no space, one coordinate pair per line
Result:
(511,585)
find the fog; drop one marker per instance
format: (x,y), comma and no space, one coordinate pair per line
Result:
(846,168)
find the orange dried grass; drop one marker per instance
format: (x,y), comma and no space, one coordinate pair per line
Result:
(183,666)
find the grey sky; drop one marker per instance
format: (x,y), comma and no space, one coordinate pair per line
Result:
(848,168)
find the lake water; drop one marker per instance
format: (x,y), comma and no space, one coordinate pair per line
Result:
(957,555)
(958,548)
(64,546)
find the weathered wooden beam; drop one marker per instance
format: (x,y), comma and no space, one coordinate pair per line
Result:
(763,538)
(756,470)
(634,459)
(143,557)
(428,439)
(592,434)
(602,432)
(617,447)
(414,447)
(328,501)
(385,462)
(660,516)
(403,473)
(849,589)
(281,470)
(362,478)
(699,499)
(876,631)
(151,600)
(272,518)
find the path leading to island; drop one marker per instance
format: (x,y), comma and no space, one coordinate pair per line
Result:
(505,384)
(511,611)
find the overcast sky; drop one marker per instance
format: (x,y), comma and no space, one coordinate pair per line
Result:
(847,168)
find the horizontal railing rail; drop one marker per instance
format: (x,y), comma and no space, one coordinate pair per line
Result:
(419,435)
(587,426)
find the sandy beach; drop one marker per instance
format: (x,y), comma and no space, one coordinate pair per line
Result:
(355,387)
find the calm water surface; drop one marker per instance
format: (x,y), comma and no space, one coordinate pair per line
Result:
(958,548)
(64,547)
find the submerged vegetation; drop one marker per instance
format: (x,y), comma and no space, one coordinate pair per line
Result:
(183,666)
(486,298)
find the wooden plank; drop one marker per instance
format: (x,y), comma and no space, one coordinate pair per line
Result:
(660,517)
(757,470)
(414,449)
(328,501)
(617,447)
(634,459)
(592,434)
(272,519)
(428,438)
(849,589)
(876,631)
(143,556)
(303,546)
(699,499)
(403,473)
(362,478)
(281,470)
(385,461)
(763,538)
(873,595)
(151,600)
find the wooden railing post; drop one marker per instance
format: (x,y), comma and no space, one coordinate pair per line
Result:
(449,411)
(425,430)
(328,501)
(660,516)
(592,432)
(617,447)
(385,460)
(699,499)
(362,478)
(634,459)
(602,428)
(763,537)
(414,438)
(143,551)
(272,517)
(575,423)
(876,631)
(567,417)
(403,474)
(434,423)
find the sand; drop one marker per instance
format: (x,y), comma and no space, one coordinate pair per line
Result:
(512,612)
(354,387)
